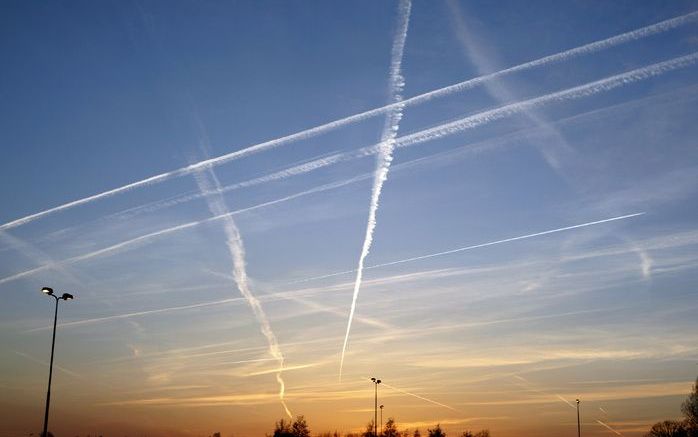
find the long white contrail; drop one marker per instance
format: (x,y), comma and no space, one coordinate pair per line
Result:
(419,397)
(396,84)
(477,246)
(436,132)
(593,47)
(216,204)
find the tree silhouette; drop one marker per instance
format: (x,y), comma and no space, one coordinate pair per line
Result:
(282,428)
(417,433)
(300,428)
(686,428)
(668,428)
(370,430)
(436,432)
(481,433)
(690,410)
(390,429)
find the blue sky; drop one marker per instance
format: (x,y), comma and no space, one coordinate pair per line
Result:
(96,96)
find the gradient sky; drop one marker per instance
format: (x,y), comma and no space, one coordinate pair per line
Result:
(160,340)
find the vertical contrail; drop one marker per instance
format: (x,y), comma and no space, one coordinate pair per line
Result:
(385,152)
(208,183)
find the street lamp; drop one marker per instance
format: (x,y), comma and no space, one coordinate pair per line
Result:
(375,406)
(579,428)
(381,407)
(66,296)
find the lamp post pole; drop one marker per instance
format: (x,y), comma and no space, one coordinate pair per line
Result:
(375,406)
(579,427)
(65,296)
(381,428)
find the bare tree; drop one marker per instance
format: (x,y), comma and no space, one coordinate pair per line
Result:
(300,427)
(370,430)
(690,410)
(390,429)
(668,428)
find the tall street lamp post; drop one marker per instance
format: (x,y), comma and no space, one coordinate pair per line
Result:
(381,428)
(375,406)
(579,427)
(66,296)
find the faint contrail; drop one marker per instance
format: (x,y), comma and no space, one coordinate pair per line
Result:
(216,204)
(634,35)
(419,397)
(43,363)
(607,426)
(396,84)
(138,313)
(477,246)
(566,401)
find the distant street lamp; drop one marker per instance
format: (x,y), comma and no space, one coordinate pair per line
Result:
(381,407)
(66,296)
(579,428)
(375,406)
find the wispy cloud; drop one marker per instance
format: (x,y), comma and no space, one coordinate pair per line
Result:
(208,183)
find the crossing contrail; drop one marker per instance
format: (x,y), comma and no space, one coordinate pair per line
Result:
(590,48)
(477,246)
(396,84)
(456,126)
(440,131)
(217,206)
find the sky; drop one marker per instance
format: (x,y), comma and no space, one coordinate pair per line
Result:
(261,205)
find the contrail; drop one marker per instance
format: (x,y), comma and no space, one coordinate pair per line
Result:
(442,130)
(607,426)
(138,313)
(217,206)
(385,153)
(593,47)
(43,363)
(565,401)
(477,246)
(419,397)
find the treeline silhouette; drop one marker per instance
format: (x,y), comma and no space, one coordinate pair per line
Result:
(299,428)
(688,427)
